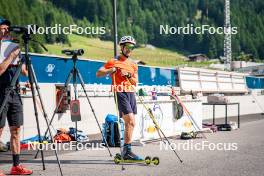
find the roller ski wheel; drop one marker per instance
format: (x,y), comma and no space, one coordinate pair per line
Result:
(148,160)
(117,158)
(156,161)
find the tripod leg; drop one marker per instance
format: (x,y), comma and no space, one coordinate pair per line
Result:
(30,77)
(56,109)
(45,115)
(7,94)
(83,86)
(75,98)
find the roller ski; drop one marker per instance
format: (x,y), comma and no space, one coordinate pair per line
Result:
(132,158)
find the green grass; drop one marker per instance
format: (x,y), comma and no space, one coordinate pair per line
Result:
(95,48)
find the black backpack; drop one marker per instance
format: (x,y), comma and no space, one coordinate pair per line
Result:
(224,127)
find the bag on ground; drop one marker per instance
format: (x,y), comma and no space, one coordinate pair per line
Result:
(111,131)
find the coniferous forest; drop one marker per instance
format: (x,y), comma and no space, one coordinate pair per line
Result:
(142,19)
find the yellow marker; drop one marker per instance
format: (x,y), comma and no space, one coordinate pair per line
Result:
(187,124)
(151,129)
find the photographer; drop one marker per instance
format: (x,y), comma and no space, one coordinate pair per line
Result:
(13,110)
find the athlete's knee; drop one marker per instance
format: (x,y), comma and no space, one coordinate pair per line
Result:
(129,120)
(15,132)
(131,123)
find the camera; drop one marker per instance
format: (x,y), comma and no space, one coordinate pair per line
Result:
(29,29)
(77,52)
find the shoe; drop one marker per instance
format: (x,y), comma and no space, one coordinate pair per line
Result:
(131,156)
(2,173)
(20,170)
(3,147)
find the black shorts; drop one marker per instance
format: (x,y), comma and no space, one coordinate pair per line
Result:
(126,103)
(13,110)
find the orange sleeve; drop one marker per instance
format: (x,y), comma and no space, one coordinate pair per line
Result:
(135,67)
(109,64)
(135,74)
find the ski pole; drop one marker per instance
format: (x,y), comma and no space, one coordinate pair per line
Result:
(157,126)
(188,114)
(118,117)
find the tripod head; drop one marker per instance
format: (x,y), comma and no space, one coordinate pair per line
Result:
(73,53)
(24,29)
(26,32)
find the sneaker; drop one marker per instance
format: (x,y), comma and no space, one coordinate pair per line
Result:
(20,170)
(131,156)
(3,147)
(2,173)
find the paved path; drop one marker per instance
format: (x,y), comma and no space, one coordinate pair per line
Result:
(247,160)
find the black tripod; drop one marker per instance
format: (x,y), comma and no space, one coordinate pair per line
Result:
(33,82)
(74,74)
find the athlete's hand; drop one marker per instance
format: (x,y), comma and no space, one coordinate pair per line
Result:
(111,70)
(125,74)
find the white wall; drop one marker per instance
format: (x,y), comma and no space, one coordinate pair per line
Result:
(102,106)
(105,105)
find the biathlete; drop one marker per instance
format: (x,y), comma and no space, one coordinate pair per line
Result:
(124,73)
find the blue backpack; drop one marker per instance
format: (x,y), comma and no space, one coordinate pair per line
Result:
(111,131)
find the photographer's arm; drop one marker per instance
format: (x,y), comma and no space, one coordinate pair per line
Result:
(13,55)
(24,70)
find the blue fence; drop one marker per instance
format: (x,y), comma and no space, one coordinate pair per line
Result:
(54,70)
(255,82)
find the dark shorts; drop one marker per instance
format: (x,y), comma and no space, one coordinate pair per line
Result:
(13,110)
(126,103)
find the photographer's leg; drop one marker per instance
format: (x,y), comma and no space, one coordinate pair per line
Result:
(15,144)
(17,169)
(1,132)
(15,120)
(3,147)
(2,121)
(2,124)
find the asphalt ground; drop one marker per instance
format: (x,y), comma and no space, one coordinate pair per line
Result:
(241,152)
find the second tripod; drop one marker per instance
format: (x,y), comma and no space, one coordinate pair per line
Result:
(72,76)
